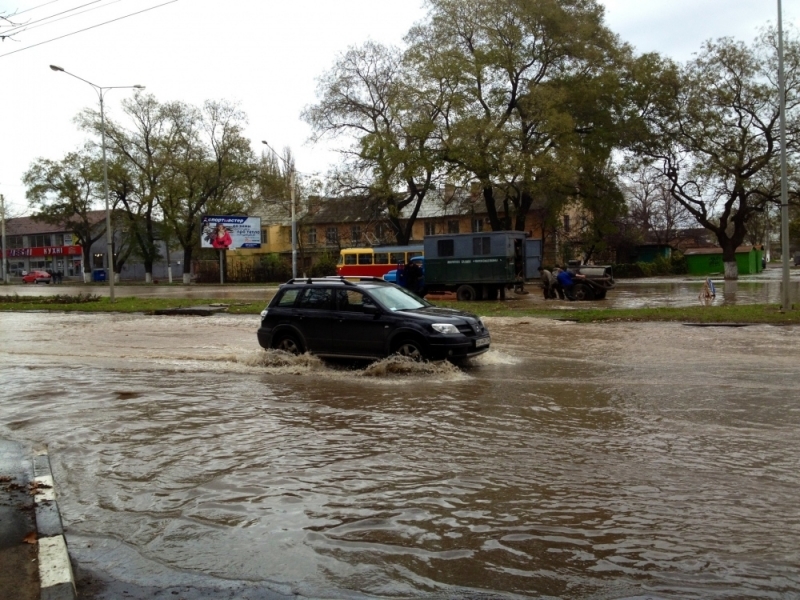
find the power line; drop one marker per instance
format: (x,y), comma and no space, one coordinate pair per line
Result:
(34,8)
(87,28)
(70,16)
(24,27)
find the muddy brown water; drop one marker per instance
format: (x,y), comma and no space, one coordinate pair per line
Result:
(571,461)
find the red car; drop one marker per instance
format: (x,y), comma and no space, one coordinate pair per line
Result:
(37,277)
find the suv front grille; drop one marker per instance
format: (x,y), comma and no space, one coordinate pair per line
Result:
(466,329)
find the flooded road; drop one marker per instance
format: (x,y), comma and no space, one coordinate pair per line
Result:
(571,461)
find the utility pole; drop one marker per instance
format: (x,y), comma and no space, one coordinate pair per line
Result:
(3,235)
(786,296)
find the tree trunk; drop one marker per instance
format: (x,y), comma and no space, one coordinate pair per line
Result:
(729,260)
(187,265)
(731,270)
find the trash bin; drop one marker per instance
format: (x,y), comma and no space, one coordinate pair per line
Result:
(99,275)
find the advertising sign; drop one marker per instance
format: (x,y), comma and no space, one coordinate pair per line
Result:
(230,233)
(43,251)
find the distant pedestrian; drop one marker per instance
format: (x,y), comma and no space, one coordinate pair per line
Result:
(548,284)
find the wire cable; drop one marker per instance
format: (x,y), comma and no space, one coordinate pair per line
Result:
(63,12)
(72,15)
(61,37)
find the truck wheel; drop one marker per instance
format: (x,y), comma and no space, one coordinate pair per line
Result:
(465,293)
(581,291)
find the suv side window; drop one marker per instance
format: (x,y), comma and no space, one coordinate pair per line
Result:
(288,297)
(317,298)
(351,300)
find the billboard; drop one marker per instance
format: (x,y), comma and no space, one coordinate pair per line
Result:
(230,233)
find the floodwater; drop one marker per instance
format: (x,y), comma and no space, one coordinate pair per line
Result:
(571,461)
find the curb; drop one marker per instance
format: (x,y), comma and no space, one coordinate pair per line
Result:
(56,579)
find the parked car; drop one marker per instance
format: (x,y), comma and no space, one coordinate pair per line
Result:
(367,318)
(37,277)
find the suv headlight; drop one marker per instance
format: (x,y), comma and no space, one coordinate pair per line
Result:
(264,313)
(444,328)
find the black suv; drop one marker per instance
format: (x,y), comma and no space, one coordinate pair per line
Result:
(366,318)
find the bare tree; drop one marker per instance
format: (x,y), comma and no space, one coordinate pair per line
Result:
(652,208)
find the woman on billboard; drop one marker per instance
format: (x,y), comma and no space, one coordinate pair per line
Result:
(222,238)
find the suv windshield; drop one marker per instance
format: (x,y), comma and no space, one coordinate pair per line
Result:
(395,298)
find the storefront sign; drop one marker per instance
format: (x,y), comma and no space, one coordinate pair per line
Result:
(43,251)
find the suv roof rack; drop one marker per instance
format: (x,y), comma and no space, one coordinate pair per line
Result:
(351,280)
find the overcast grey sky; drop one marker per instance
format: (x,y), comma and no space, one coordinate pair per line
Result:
(265,54)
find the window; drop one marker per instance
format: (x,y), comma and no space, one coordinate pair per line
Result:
(316,298)
(38,241)
(477,225)
(481,246)
(312,236)
(397,258)
(331,236)
(289,297)
(381,258)
(365,258)
(355,234)
(566,223)
(452,226)
(350,300)
(350,259)
(264,238)
(58,239)
(445,248)
(430,228)
(14,241)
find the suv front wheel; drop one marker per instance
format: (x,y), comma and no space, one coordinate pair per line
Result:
(288,343)
(410,348)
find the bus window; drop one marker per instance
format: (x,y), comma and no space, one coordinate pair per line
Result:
(340,262)
(364,258)
(397,258)
(413,254)
(350,259)
(381,258)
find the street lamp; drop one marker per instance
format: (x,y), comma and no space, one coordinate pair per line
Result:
(101,91)
(294,216)
(786,298)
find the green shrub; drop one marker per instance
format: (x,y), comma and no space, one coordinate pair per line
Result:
(324,266)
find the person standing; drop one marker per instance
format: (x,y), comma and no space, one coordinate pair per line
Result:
(548,283)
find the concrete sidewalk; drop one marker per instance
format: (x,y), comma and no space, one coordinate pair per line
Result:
(34,562)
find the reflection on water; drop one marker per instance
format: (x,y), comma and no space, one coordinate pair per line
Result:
(571,461)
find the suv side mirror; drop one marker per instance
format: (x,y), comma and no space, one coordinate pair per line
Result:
(370,308)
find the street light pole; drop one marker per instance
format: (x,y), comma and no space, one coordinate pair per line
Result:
(294,209)
(101,91)
(3,236)
(786,298)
